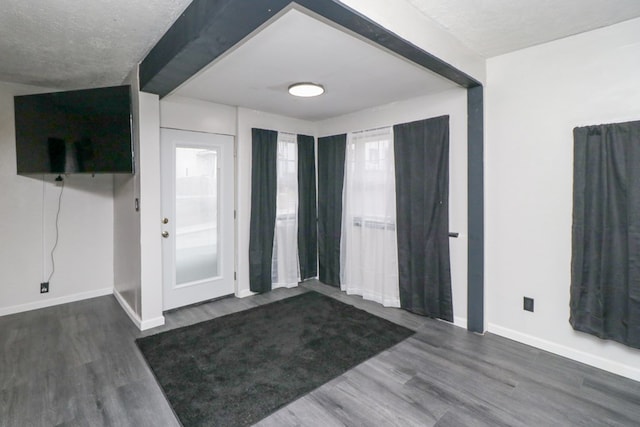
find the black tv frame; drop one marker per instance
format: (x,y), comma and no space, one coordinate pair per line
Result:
(88,131)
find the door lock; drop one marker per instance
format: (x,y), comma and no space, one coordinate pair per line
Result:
(165,234)
(165,220)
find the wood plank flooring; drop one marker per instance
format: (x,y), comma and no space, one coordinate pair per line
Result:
(77,365)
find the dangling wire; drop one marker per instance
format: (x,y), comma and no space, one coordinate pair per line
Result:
(53,263)
(43,234)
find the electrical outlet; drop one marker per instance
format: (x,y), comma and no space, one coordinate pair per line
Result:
(528,304)
(44,287)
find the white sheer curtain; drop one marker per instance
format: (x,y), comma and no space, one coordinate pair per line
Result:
(285,270)
(369,255)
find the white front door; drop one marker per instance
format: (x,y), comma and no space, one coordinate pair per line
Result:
(197,209)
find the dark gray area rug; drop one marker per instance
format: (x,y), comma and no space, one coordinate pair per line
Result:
(237,369)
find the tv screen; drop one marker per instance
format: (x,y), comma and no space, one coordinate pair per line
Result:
(81,131)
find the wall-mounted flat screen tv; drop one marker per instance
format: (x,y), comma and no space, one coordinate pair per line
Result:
(80,131)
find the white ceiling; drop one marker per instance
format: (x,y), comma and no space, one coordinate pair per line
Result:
(76,44)
(495,27)
(299,48)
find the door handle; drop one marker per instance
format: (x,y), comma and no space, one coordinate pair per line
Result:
(165,220)
(165,234)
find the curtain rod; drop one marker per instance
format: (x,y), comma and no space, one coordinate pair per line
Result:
(372,130)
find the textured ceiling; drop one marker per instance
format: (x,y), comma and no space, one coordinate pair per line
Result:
(298,48)
(495,27)
(76,44)
(79,44)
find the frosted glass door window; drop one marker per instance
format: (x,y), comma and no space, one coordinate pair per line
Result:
(198,227)
(197,213)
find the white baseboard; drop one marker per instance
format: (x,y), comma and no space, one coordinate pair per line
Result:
(143,325)
(244,293)
(460,321)
(152,323)
(127,309)
(632,372)
(50,302)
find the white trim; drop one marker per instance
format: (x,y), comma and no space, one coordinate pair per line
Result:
(152,323)
(135,318)
(244,293)
(173,295)
(143,325)
(55,301)
(460,321)
(571,353)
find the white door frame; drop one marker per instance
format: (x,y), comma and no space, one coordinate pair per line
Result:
(224,283)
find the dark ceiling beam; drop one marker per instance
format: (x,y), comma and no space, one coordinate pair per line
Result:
(208,29)
(359,24)
(204,31)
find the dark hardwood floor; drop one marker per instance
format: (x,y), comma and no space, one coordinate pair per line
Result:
(77,365)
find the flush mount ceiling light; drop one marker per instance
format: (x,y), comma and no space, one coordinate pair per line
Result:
(306,89)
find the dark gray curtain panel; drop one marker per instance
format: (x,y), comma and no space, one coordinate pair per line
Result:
(422,203)
(264,180)
(307,209)
(331,157)
(605,262)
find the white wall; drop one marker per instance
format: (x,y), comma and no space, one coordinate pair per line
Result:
(534,98)
(126,242)
(177,112)
(137,245)
(453,103)
(84,256)
(126,232)
(150,212)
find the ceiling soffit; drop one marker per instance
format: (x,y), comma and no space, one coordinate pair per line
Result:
(207,30)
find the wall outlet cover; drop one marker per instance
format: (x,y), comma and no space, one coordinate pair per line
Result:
(44,287)
(528,304)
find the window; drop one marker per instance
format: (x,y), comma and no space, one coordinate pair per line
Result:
(287,170)
(369,260)
(285,269)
